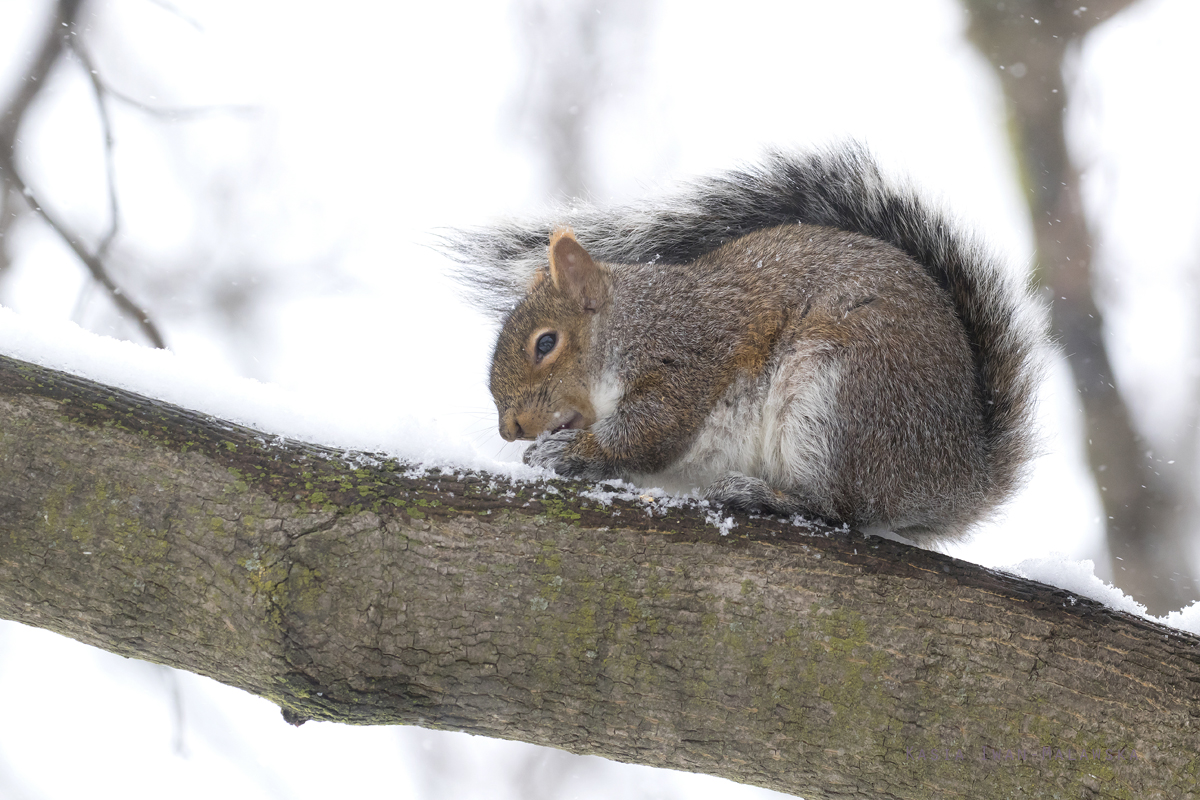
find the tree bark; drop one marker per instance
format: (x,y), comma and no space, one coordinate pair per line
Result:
(359,589)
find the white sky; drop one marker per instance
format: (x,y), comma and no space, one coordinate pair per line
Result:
(379,122)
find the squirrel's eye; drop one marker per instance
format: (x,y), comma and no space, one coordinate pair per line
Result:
(545,344)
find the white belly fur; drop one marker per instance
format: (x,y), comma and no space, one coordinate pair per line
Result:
(777,427)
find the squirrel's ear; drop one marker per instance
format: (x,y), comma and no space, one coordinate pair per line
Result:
(573,271)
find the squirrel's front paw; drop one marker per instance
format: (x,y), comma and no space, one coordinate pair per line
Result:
(559,451)
(549,450)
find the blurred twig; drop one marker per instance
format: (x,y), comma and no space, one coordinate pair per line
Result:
(171,8)
(177,114)
(94,265)
(54,42)
(99,90)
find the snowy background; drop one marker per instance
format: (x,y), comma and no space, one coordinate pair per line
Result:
(284,235)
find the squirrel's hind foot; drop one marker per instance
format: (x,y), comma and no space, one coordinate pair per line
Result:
(738,492)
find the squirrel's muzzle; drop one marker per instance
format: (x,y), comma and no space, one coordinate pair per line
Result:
(529,424)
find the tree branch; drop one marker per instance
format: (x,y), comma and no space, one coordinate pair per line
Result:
(354,588)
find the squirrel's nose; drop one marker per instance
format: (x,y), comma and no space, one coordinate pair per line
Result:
(510,427)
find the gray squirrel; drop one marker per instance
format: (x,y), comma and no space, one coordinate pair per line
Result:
(802,337)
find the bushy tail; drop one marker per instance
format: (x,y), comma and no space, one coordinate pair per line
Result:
(840,188)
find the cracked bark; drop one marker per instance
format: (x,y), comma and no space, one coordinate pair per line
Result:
(356,589)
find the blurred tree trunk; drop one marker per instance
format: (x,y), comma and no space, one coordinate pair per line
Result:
(1148,515)
(577,54)
(351,588)
(7,218)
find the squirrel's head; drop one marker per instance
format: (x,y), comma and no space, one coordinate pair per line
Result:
(539,368)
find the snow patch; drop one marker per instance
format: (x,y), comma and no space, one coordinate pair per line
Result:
(369,424)
(1079,578)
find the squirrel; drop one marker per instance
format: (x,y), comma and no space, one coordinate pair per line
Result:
(802,337)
